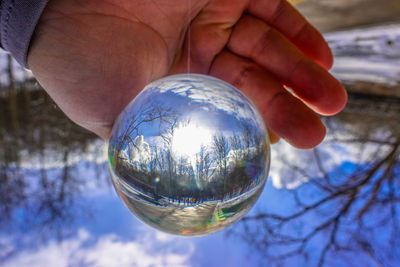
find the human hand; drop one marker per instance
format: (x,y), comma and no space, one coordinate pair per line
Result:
(94,56)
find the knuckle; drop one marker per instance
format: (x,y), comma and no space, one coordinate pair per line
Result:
(278,10)
(242,76)
(302,28)
(262,44)
(297,65)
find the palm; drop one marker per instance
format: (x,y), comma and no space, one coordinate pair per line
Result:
(94,57)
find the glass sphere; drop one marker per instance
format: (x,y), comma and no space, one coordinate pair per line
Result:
(189,155)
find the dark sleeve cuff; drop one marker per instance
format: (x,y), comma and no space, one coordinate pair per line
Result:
(18,22)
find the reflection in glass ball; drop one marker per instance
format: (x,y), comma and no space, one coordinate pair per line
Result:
(189,155)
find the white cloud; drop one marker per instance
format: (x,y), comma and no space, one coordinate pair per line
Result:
(211,93)
(285,159)
(109,250)
(280,173)
(96,152)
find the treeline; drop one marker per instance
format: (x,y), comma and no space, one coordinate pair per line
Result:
(230,167)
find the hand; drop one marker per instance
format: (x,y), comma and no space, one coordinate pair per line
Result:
(94,56)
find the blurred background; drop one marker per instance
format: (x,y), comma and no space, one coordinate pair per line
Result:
(338,204)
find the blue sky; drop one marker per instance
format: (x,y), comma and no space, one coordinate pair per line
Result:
(105,233)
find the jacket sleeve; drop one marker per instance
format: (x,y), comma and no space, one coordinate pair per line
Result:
(18,21)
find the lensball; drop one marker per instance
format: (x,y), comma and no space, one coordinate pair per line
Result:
(189,155)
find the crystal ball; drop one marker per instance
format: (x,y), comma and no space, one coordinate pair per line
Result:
(189,155)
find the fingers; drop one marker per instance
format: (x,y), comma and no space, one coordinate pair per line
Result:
(255,40)
(210,31)
(285,18)
(284,114)
(208,34)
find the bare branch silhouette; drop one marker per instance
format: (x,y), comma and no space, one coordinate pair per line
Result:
(337,203)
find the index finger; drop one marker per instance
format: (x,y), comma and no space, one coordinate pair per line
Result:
(282,16)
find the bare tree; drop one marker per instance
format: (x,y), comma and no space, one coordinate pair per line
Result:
(204,169)
(342,210)
(221,148)
(44,197)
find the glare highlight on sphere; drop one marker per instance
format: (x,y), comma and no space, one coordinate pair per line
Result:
(189,155)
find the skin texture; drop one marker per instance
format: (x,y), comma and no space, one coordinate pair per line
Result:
(94,56)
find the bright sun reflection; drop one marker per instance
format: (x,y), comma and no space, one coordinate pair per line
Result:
(188,140)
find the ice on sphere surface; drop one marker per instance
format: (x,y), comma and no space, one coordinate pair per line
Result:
(189,155)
